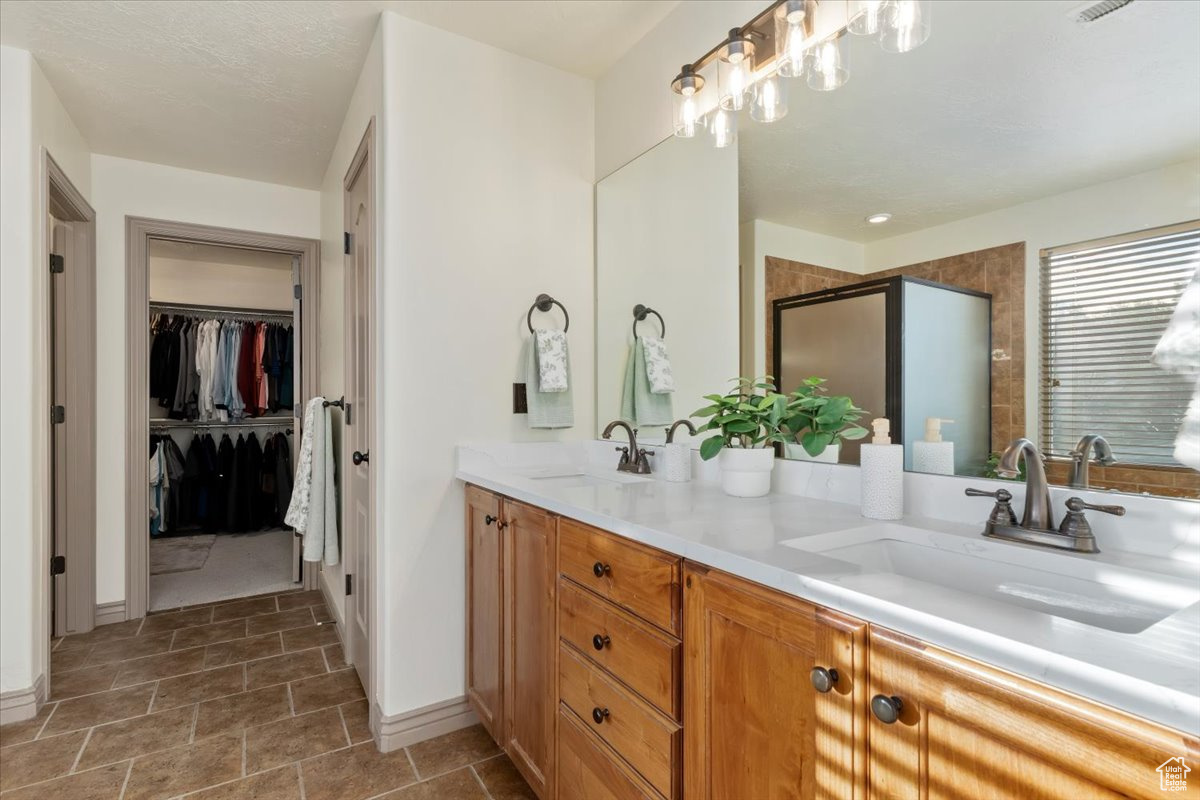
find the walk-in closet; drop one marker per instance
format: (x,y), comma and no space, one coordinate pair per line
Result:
(224,359)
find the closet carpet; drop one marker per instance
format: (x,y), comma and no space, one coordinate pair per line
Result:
(238,565)
(233,701)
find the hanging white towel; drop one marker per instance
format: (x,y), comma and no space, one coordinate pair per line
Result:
(313,510)
(1178,351)
(551,360)
(658,366)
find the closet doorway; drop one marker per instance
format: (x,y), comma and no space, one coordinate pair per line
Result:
(221,358)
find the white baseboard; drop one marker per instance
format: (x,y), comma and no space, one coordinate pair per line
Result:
(402,730)
(108,613)
(19,705)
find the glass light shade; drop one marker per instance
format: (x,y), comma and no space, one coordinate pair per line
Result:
(770,100)
(829,67)
(735,68)
(687,117)
(722,125)
(903,24)
(792,18)
(866,18)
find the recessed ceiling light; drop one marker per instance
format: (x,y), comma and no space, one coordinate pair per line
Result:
(878,219)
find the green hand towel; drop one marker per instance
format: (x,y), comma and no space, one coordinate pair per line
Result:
(639,405)
(546,409)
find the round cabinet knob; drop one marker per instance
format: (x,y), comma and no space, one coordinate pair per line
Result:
(886,709)
(600,570)
(488,519)
(823,679)
(599,715)
(599,641)
(360,458)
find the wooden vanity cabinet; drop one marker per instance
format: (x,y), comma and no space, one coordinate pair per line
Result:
(972,732)
(485,610)
(755,725)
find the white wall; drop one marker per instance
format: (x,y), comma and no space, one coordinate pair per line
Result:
(366,102)
(181,280)
(666,237)
(487,201)
(32,122)
(122,187)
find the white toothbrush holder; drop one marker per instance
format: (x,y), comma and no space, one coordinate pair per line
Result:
(677,462)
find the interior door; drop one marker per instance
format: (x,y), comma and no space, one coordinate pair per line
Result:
(298,570)
(358,414)
(60,245)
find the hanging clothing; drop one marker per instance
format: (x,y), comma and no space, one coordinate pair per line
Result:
(313,508)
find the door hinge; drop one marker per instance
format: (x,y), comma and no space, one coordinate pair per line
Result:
(348,417)
(298,292)
(58,264)
(58,565)
(58,415)
(346,239)
(349,584)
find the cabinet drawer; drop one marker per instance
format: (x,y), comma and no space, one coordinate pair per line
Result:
(649,741)
(642,580)
(588,769)
(638,655)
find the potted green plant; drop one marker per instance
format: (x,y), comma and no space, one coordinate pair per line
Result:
(818,422)
(748,421)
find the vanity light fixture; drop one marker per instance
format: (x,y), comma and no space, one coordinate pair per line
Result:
(903,25)
(793,25)
(735,71)
(866,20)
(830,67)
(879,219)
(687,106)
(722,125)
(770,101)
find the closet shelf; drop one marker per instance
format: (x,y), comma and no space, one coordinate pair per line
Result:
(223,312)
(257,422)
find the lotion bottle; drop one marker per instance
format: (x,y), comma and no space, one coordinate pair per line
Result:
(882,474)
(934,455)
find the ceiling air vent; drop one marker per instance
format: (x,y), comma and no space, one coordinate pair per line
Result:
(1094,11)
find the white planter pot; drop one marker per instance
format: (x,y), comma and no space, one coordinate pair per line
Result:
(746,472)
(796,452)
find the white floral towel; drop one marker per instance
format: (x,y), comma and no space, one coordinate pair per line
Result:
(551,360)
(313,510)
(658,366)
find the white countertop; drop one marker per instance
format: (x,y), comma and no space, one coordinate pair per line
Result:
(1153,674)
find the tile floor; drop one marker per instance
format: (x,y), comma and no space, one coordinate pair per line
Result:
(245,699)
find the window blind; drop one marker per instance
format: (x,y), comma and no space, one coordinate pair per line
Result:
(1105,304)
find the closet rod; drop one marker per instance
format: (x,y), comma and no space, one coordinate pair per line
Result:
(243,423)
(221,311)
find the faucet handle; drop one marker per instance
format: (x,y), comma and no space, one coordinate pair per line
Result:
(1002,513)
(1001,495)
(1077,504)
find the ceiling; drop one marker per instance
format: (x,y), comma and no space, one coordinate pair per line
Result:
(258,89)
(1007,102)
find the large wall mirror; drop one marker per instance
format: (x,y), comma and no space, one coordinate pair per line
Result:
(994,229)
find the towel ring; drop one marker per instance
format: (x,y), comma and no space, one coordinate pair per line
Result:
(640,312)
(545,302)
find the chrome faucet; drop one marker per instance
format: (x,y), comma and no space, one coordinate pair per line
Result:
(1038,512)
(1079,457)
(633,458)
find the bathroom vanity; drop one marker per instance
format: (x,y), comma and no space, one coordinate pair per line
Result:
(632,638)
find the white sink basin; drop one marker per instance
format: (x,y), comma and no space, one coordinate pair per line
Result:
(568,478)
(1076,588)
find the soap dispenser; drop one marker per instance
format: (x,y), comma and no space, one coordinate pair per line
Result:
(882,474)
(934,455)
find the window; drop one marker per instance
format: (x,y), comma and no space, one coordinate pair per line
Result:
(1105,304)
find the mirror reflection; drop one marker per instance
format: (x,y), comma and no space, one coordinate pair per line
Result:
(983,239)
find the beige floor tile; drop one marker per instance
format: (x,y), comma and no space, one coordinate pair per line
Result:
(502,780)
(355,773)
(454,750)
(185,769)
(284,668)
(96,709)
(335,657)
(245,608)
(321,614)
(310,636)
(357,718)
(199,686)
(119,741)
(242,711)
(240,650)
(96,784)
(123,649)
(294,738)
(267,623)
(104,633)
(26,730)
(71,658)
(39,761)
(458,785)
(165,665)
(278,784)
(312,597)
(322,691)
(88,680)
(164,623)
(209,634)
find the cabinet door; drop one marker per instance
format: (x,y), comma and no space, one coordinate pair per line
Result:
(754,725)
(968,731)
(485,610)
(530,641)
